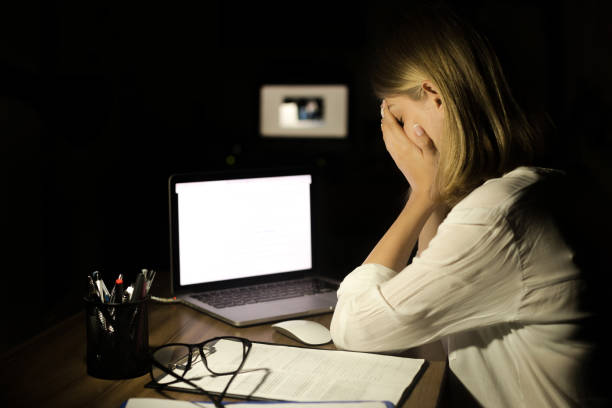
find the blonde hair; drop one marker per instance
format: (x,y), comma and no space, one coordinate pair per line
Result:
(486,133)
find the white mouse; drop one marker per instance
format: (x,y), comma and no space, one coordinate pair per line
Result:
(304,331)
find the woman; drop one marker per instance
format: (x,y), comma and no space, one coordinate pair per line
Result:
(493,277)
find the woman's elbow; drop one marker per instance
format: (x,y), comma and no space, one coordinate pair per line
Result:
(345,332)
(352,327)
(357,327)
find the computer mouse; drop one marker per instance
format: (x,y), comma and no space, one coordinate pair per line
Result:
(304,331)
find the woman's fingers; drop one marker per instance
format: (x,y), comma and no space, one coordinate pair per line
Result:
(391,130)
(412,150)
(394,133)
(387,121)
(422,140)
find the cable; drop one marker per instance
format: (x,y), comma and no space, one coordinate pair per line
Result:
(166,300)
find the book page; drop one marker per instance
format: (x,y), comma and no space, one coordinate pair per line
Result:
(301,374)
(165,403)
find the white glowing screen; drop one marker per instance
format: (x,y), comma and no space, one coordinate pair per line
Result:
(230,229)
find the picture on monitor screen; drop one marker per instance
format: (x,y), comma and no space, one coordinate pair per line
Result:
(301,112)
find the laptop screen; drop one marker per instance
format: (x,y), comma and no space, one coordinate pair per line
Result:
(239,228)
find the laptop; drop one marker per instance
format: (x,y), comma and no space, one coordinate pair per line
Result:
(242,246)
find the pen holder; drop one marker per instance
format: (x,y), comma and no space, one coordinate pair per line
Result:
(117,339)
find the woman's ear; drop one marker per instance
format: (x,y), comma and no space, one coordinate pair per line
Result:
(432,92)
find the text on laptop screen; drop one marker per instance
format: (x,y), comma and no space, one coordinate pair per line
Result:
(231,229)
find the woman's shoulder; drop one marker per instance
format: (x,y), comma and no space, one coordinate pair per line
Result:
(501,193)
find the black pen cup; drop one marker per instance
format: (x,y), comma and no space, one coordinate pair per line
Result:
(117,339)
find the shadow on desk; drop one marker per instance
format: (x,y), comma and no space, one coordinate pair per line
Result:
(454,394)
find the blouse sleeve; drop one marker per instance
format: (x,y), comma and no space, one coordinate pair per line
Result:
(468,277)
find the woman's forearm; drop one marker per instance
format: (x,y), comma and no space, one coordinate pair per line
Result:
(395,247)
(430,228)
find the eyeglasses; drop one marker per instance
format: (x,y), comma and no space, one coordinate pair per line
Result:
(179,362)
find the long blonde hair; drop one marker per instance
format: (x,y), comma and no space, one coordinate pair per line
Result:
(486,133)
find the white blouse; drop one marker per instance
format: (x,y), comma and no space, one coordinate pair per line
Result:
(496,284)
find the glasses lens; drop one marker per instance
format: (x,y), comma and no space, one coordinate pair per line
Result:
(175,359)
(224,356)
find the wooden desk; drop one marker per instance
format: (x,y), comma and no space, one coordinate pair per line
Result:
(50,370)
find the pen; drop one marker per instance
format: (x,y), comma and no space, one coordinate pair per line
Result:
(139,287)
(150,281)
(117,292)
(91,287)
(113,293)
(98,284)
(105,292)
(129,292)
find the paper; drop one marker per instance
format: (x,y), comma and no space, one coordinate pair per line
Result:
(165,403)
(300,374)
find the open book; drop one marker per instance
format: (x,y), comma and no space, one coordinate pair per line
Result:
(289,373)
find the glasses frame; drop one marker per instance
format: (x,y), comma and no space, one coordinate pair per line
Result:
(246,343)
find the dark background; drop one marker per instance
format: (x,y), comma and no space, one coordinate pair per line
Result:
(101,101)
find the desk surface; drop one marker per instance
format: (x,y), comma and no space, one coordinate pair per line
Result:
(50,370)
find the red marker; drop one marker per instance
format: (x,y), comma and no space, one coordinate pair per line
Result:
(117,292)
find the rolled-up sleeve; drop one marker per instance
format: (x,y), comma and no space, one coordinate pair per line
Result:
(468,277)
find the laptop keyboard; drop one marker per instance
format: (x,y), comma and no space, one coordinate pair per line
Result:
(264,292)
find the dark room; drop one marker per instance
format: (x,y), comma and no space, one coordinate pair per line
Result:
(391,118)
